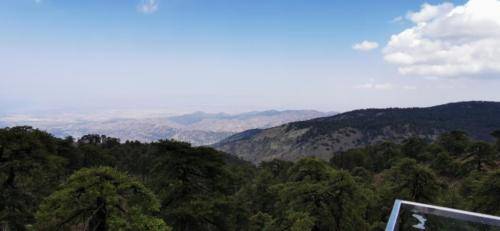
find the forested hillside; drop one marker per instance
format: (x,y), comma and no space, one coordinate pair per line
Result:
(98,183)
(323,137)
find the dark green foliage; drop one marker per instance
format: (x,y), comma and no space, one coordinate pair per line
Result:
(326,198)
(277,168)
(30,168)
(414,148)
(455,142)
(95,150)
(148,185)
(412,181)
(382,156)
(309,169)
(100,199)
(351,159)
(261,222)
(486,196)
(496,134)
(192,184)
(445,165)
(480,155)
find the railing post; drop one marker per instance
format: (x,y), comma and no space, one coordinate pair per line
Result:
(392,224)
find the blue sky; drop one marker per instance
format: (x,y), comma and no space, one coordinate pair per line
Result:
(215,55)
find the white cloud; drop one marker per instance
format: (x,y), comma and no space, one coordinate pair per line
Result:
(429,12)
(409,88)
(38,1)
(377,86)
(384,86)
(365,46)
(148,6)
(397,19)
(448,40)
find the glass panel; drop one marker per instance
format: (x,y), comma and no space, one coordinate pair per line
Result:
(415,216)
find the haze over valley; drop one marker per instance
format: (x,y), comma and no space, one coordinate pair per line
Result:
(197,128)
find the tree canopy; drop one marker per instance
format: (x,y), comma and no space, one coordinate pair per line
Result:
(100,183)
(100,199)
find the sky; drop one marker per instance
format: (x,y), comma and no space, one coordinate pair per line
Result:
(235,56)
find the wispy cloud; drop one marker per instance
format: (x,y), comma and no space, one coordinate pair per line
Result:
(408,87)
(148,6)
(376,86)
(38,1)
(398,19)
(365,46)
(384,86)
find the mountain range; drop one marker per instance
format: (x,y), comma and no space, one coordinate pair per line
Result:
(197,128)
(323,137)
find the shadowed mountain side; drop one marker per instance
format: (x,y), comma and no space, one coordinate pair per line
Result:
(323,137)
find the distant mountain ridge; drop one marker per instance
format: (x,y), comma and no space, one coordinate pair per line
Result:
(198,128)
(322,137)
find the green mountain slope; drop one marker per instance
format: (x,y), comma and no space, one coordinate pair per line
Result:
(323,137)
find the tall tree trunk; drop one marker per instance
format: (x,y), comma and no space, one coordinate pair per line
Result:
(98,222)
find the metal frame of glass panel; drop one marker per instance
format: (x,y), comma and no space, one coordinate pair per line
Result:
(392,224)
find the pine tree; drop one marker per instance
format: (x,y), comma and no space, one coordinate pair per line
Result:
(100,199)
